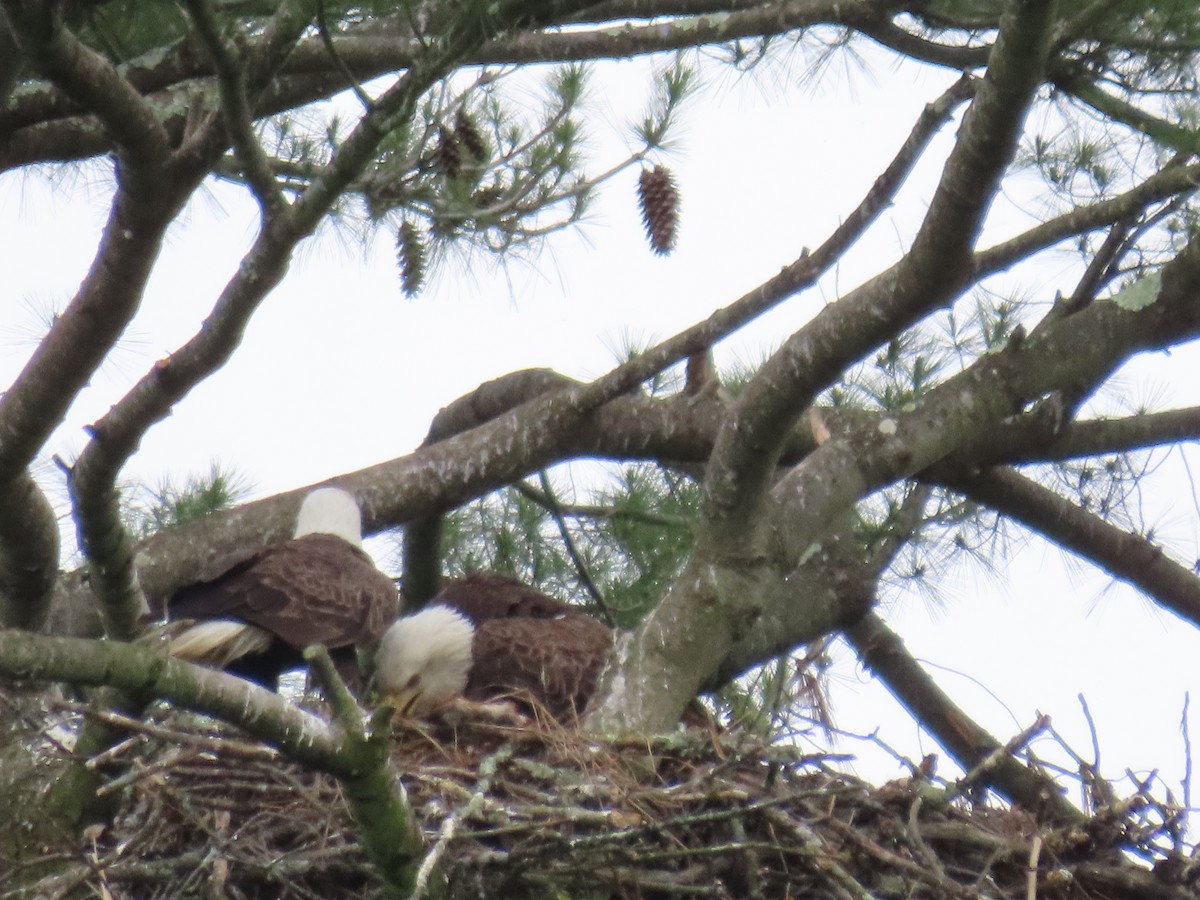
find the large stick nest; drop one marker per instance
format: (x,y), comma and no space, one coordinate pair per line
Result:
(543,812)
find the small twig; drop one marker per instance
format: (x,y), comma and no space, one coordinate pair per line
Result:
(595,511)
(813,847)
(553,507)
(1185,730)
(947,886)
(221,746)
(327,42)
(1035,850)
(993,759)
(487,771)
(1087,715)
(918,840)
(108,756)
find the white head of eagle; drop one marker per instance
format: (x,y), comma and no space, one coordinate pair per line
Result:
(486,637)
(254,610)
(330,511)
(424,660)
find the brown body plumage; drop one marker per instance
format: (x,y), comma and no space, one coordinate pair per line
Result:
(527,644)
(524,646)
(255,612)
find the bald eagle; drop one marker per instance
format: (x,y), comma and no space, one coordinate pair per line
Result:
(253,612)
(489,637)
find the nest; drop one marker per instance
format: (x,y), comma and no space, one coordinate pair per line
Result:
(543,812)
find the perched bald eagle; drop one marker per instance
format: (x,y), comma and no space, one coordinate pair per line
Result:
(254,612)
(489,637)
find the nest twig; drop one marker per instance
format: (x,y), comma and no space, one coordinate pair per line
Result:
(537,811)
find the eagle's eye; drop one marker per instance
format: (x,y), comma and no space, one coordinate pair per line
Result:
(414,681)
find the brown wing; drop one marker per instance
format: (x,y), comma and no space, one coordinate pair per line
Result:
(482,596)
(555,660)
(314,589)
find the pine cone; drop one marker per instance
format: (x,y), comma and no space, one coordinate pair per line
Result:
(449,155)
(659,199)
(467,132)
(410,257)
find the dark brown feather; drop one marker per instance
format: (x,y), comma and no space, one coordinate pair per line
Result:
(528,645)
(313,589)
(555,661)
(481,596)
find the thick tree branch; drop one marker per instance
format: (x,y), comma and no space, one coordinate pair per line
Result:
(1073,354)
(78,342)
(570,407)
(42,126)
(386,45)
(117,435)
(87,78)
(1125,555)
(145,670)
(931,274)
(357,758)
(1174,180)
(951,56)
(717,596)
(882,652)
(712,603)
(29,544)
(231,69)
(630,428)
(832,588)
(387,827)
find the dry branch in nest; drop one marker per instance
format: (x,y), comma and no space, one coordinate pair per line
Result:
(541,812)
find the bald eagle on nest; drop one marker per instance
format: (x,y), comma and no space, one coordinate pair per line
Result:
(488,637)
(253,612)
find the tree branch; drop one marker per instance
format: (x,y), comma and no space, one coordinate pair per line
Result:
(357,758)
(1174,180)
(833,587)
(882,652)
(87,78)
(932,273)
(1127,556)
(1164,133)
(117,435)
(715,599)
(66,358)
(236,110)
(29,546)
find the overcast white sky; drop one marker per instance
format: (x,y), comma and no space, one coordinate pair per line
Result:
(339,370)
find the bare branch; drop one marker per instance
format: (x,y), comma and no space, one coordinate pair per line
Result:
(116,436)
(882,651)
(931,274)
(1126,556)
(88,79)
(358,759)
(28,553)
(70,353)
(1174,180)
(236,110)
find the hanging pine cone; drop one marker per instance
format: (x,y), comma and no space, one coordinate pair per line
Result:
(467,132)
(449,154)
(659,199)
(410,257)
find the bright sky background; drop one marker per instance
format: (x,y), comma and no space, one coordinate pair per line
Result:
(339,370)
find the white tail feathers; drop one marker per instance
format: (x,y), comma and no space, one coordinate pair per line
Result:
(219,642)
